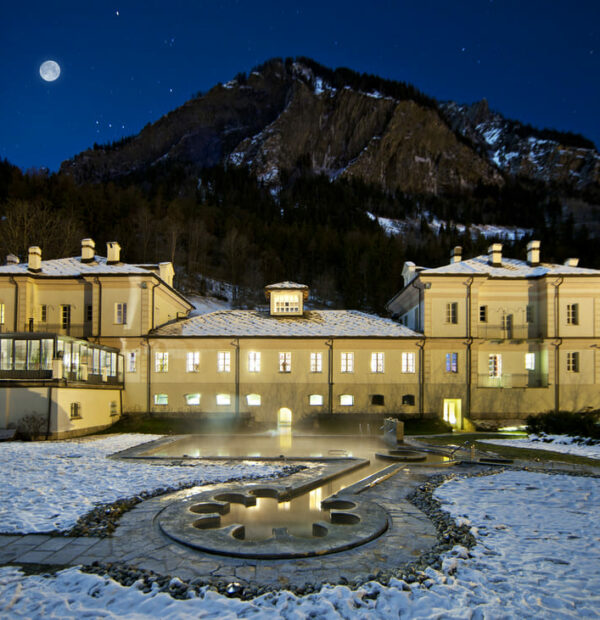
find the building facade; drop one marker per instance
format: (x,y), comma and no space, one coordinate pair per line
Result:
(504,338)
(85,339)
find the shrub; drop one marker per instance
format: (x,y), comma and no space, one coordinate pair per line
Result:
(32,426)
(574,423)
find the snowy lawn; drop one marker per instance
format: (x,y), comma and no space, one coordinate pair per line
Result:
(537,556)
(47,486)
(553,443)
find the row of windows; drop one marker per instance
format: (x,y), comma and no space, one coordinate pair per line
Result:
(255,400)
(161,362)
(495,363)
(507,319)
(76,412)
(65,314)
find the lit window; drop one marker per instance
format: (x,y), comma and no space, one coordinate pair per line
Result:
(483,314)
(161,361)
(161,399)
(316,362)
(285,304)
(451,362)
(316,400)
(254,361)
(131,361)
(408,362)
(529,361)
(376,362)
(346,400)
(573,361)
(347,362)
(75,410)
(452,312)
(572,314)
(120,313)
(192,362)
(65,317)
(192,399)
(223,361)
(223,399)
(495,365)
(285,362)
(253,400)
(43,314)
(529,313)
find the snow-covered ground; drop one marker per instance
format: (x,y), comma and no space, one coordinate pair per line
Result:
(537,556)
(47,486)
(553,443)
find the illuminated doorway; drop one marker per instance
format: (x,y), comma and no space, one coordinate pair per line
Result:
(452,412)
(284,418)
(284,428)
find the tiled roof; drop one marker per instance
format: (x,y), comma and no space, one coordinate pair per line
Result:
(286,286)
(315,323)
(510,268)
(74,267)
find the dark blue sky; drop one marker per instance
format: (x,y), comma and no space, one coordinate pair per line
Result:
(125,64)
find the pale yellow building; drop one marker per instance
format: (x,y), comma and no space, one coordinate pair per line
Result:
(59,374)
(490,339)
(504,338)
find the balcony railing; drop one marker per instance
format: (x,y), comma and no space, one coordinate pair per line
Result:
(506,332)
(74,330)
(514,380)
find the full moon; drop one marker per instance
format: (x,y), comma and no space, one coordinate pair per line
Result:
(49,70)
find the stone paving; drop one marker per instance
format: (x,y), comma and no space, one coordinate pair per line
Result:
(138,542)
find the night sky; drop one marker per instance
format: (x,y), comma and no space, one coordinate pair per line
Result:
(126,64)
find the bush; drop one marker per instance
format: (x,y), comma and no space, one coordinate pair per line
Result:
(577,424)
(32,426)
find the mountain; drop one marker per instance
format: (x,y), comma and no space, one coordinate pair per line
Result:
(518,149)
(294,114)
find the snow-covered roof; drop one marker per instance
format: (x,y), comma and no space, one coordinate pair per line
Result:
(74,267)
(510,268)
(314,323)
(287,285)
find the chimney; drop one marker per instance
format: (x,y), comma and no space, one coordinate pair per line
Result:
(12,259)
(113,253)
(88,250)
(495,255)
(409,271)
(572,262)
(456,254)
(35,259)
(533,253)
(166,272)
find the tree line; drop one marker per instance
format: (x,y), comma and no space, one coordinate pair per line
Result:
(222,223)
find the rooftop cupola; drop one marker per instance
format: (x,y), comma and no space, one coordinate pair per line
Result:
(495,255)
(12,259)
(572,262)
(113,253)
(286,298)
(533,253)
(35,259)
(88,250)
(456,254)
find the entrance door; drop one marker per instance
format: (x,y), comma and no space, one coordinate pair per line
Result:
(452,412)
(284,418)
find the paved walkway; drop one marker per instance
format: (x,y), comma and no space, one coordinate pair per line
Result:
(138,542)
